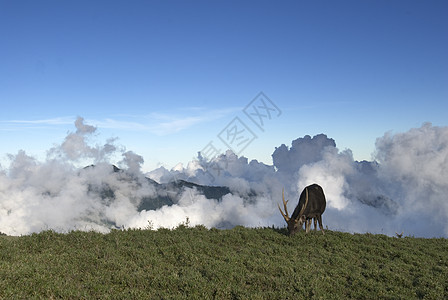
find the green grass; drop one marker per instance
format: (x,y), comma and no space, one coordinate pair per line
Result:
(242,263)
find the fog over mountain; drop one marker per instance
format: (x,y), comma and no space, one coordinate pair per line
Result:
(404,189)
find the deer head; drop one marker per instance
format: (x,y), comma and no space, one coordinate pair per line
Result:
(294,225)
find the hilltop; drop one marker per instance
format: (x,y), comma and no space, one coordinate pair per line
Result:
(241,263)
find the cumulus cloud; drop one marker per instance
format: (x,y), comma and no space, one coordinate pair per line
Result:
(303,151)
(76,145)
(414,169)
(230,211)
(55,194)
(404,189)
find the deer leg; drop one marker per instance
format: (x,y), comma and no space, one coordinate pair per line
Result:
(308,225)
(315,224)
(319,218)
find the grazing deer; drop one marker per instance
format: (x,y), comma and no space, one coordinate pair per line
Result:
(311,205)
(399,235)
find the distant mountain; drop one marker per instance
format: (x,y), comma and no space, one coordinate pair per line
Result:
(166,193)
(170,193)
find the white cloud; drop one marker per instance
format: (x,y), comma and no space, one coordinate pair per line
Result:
(51,121)
(405,191)
(158,123)
(17,125)
(110,123)
(168,123)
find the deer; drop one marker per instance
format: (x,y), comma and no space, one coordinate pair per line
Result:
(311,205)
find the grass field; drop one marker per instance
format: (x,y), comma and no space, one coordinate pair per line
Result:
(242,263)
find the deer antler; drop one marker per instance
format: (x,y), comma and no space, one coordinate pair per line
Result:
(285,215)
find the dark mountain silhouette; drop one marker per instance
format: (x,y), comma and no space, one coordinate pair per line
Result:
(165,194)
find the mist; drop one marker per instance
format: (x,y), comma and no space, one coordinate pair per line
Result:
(77,187)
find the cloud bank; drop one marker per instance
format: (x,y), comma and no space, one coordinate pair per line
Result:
(403,190)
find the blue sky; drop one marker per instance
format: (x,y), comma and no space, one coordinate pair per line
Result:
(166,77)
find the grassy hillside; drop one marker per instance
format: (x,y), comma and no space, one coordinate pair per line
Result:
(242,263)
